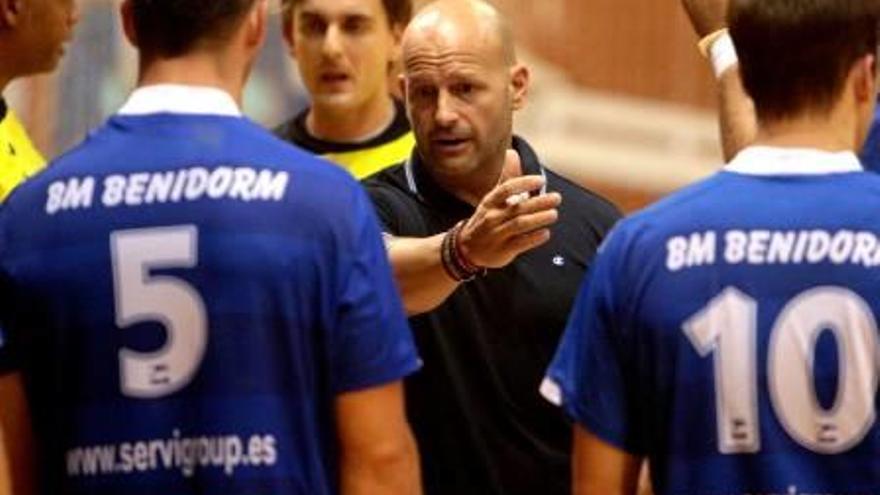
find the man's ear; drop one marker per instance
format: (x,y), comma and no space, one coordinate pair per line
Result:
(864,76)
(126,12)
(396,40)
(401,85)
(10,12)
(520,79)
(256,23)
(287,26)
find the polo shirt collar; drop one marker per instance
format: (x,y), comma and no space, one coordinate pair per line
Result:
(180,99)
(767,160)
(421,184)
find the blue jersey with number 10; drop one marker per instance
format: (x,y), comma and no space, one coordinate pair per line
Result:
(729,333)
(186,295)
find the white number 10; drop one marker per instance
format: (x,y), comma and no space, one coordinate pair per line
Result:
(727,327)
(168,300)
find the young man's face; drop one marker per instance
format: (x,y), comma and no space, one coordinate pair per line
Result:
(344,49)
(42,30)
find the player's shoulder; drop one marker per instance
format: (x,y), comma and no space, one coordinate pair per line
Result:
(691,204)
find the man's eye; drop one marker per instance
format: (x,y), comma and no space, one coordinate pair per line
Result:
(463,89)
(423,93)
(312,26)
(355,25)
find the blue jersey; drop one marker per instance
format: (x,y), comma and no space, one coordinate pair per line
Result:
(729,333)
(186,295)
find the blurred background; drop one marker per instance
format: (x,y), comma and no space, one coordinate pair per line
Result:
(621,99)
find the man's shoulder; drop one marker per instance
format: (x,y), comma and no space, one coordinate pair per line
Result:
(390,181)
(238,144)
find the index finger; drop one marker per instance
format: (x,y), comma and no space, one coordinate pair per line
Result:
(511,187)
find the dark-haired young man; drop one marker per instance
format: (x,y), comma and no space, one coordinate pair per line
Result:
(729,333)
(346,51)
(736,111)
(32,38)
(195,306)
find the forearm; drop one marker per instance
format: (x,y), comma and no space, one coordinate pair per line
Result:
(599,468)
(16,441)
(418,269)
(396,472)
(737,121)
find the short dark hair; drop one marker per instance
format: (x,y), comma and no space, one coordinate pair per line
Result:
(795,55)
(398,12)
(170,28)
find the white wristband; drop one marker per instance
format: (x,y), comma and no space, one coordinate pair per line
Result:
(722,54)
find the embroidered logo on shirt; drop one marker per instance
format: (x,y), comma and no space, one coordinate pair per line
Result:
(558,260)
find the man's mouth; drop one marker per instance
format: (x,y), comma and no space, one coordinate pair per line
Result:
(334,77)
(450,144)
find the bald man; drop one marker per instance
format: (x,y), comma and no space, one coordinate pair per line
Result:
(488,248)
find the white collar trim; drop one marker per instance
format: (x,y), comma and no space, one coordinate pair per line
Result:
(180,99)
(767,160)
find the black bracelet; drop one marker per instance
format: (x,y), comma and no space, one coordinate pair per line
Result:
(456,265)
(446,258)
(459,257)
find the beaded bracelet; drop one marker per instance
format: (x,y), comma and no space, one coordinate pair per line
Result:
(457,266)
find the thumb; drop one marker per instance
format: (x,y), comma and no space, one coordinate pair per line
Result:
(512,166)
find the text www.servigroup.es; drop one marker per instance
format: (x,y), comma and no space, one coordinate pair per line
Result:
(186,454)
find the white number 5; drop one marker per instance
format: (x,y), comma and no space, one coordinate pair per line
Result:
(168,300)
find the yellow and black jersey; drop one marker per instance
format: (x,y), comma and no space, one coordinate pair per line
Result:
(18,157)
(363,159)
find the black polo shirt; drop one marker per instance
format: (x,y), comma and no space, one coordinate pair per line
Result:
(481,424)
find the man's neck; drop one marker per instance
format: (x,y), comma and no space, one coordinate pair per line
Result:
(194,70)
(472,188)
(351,125)
(821,133)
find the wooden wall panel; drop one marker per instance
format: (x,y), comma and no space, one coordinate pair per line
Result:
(642,48)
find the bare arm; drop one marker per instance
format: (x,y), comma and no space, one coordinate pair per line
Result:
(16,439)
(421,279)
(601,469)
(378,454)
(493,237)
(739,125)
(737,113)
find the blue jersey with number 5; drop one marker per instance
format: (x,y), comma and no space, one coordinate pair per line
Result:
(729,333)
(185,296)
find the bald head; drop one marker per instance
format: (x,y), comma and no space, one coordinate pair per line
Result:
(462,84)
(457,22)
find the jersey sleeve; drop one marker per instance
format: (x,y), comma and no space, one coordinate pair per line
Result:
(592,375)
(372,343)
